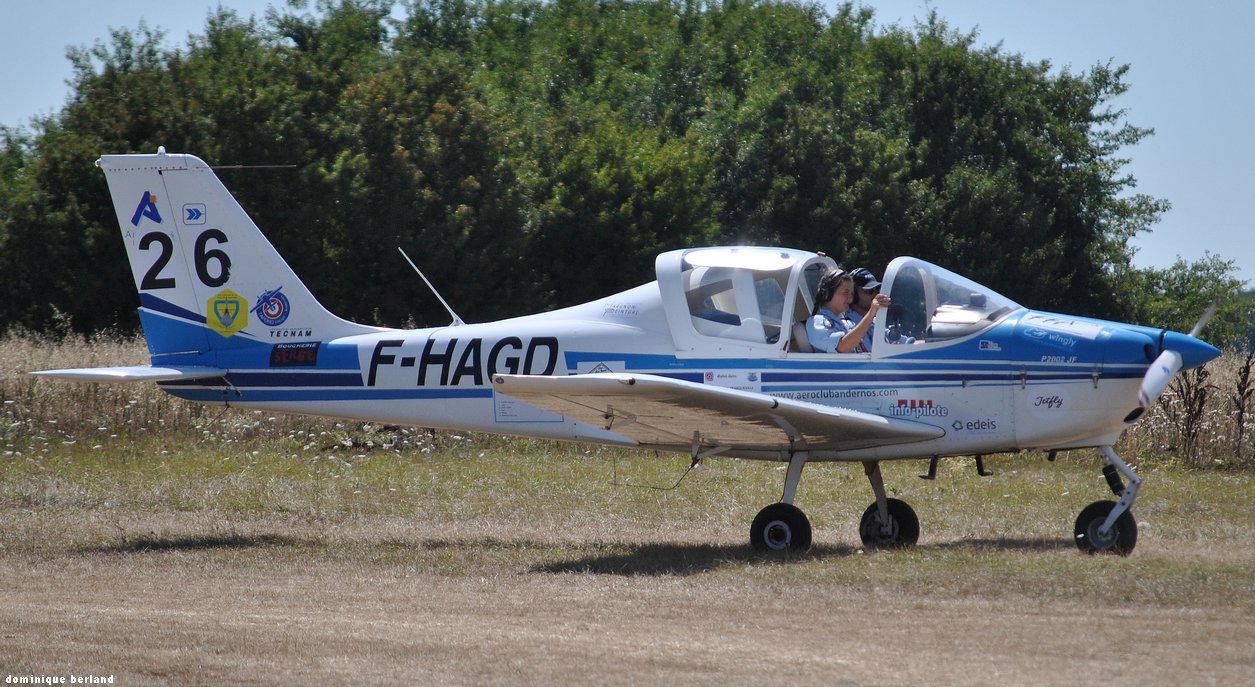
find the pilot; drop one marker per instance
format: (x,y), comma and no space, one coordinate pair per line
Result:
(826,330)
(866,290)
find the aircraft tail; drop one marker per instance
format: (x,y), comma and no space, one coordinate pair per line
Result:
(208,280)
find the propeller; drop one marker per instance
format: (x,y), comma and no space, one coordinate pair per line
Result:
(1167,365)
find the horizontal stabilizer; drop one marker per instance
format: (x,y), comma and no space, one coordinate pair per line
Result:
(137,373)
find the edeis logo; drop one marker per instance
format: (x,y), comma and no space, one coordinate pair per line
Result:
(147,208)
(227,313)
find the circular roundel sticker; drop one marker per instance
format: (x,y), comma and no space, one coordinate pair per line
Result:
(272,308)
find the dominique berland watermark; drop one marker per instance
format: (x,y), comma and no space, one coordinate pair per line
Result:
(59,680)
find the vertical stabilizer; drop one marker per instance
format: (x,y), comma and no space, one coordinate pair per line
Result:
(208,279)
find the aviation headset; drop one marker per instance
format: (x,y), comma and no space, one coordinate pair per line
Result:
(827,286)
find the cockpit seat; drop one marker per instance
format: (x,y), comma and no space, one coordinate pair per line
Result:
(799,342)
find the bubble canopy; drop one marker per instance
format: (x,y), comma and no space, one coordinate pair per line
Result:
(931,303)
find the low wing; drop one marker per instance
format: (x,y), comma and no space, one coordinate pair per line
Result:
(138,373)
(670,413)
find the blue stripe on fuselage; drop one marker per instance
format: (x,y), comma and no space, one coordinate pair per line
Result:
(254,395)
(255,380)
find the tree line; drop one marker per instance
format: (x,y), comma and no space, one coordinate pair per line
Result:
(530,155)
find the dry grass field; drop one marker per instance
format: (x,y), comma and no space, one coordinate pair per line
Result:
(163,544)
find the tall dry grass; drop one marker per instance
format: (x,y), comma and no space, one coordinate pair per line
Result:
(37,413)
(1204,419)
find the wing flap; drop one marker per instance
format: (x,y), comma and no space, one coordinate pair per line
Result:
(137,373)
(659,411)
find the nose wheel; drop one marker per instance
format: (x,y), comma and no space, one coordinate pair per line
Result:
(1120,538)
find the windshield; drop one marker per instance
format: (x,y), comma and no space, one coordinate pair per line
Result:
(933,304)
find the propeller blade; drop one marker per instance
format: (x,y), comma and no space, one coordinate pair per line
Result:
(1202,321)
(1158,377)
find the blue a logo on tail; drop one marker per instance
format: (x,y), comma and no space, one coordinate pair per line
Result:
(147,208)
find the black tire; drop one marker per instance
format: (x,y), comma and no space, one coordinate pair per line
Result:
(1121,540)
(781,527)
(903,530)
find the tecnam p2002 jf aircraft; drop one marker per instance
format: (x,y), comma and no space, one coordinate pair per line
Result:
(709,359)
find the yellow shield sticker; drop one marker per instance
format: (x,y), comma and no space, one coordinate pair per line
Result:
(227,313)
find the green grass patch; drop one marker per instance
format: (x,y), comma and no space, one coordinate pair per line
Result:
(487,506)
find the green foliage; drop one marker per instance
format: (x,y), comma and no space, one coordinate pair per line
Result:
(531,155)
(1175,298)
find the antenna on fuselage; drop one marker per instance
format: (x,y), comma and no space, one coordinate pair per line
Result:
(457,321)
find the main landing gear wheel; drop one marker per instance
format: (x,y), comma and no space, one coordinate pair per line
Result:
(1121,539)
(781,527)
(901,531)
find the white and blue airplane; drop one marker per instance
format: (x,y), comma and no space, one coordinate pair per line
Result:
(709,359)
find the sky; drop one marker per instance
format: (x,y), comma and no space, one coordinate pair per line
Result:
(1191,80)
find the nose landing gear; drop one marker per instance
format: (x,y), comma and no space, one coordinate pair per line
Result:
(1109,526)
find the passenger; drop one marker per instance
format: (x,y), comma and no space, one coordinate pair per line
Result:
(866,289)
(866,286)
(830,329)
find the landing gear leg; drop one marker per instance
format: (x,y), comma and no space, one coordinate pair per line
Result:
(1109,526)
(932,468)
(887,523)
(797,461)
(783,526)
(980,467)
